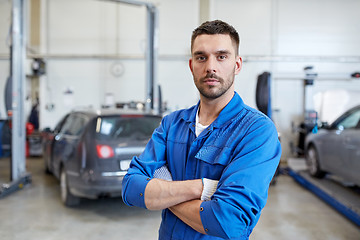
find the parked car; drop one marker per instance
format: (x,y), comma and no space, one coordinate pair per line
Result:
(335,148)
(90,152)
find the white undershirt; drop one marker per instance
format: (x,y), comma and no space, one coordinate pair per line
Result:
(199,127)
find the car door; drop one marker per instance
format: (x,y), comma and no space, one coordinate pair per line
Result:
(328,148)
(351,147)
(48,142)
(60,140)
(354,156)
(66,140)
(71,152)
(349,152)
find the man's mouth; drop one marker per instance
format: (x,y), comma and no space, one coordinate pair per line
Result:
(211,79)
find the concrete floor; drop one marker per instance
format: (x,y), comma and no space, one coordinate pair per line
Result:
(36,212)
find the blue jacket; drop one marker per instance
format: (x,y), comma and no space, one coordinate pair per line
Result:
(240,149)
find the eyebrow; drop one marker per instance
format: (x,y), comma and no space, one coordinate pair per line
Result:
(223,52)
(217,52)
(198,53)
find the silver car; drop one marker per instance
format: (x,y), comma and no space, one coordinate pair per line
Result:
(335,148)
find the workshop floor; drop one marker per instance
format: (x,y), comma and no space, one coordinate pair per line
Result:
(36,212)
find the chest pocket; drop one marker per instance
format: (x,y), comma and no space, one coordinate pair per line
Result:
(213,161)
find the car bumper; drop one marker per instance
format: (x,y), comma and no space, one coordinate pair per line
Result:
(90,185)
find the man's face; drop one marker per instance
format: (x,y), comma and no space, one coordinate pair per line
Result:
(214,65)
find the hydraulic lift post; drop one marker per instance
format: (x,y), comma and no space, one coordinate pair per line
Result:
(19,177)
(152,92)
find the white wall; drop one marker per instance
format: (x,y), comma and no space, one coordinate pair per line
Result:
(284,28)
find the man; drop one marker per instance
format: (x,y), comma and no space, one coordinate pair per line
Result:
(221,154)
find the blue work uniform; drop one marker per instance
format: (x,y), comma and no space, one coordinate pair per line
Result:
(240,149)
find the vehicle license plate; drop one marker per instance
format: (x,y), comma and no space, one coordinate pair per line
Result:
(125,164)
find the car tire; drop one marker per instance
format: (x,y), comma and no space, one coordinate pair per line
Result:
(312,161)
(67,197)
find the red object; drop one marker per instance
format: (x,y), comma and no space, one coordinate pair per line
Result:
(104,151)
(29,128)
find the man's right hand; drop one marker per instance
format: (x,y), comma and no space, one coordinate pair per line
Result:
(209,188)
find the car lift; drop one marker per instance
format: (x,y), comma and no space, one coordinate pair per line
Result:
(309,115)
(152,91)
(19,177)
(344,199)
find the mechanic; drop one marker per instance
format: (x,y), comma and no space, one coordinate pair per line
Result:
(208,167)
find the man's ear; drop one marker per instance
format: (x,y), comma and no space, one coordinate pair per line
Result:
(190,65)
(238,65)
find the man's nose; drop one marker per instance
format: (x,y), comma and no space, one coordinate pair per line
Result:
(211,64)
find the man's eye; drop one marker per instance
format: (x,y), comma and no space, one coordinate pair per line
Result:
(201,58)
(222,57)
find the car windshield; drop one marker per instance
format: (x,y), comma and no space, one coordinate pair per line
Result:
(129,127)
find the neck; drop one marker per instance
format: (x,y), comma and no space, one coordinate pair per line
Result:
(210,109)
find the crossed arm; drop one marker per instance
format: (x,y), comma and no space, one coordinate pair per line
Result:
(181,197)
(238,200)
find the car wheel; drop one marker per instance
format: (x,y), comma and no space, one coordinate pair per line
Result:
(312,160)
(66,197)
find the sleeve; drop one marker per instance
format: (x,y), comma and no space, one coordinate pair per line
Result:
(142,168)
(242,192)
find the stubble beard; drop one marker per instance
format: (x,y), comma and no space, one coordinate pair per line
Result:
(213,92)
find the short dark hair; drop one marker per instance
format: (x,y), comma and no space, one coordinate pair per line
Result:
(217,27)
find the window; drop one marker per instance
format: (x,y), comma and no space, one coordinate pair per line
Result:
(350,121)
(74,125)
(134,128)
(60,125)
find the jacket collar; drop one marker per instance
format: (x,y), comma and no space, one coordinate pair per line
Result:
(235,105)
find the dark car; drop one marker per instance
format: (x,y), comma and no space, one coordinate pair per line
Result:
(90,151)
(336,148)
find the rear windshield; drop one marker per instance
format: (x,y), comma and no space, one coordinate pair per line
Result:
(126,127)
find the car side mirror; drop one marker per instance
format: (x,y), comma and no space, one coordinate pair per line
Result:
(325,125)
